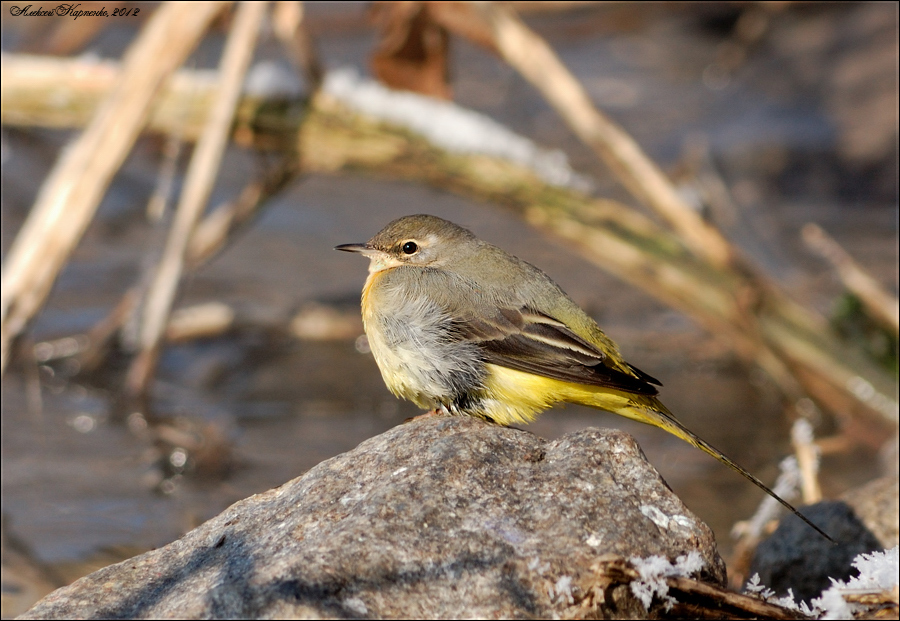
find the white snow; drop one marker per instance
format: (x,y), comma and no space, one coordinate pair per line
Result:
(655,569)
(450,126)
(878,572)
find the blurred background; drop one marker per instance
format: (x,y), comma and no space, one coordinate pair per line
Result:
(789,110)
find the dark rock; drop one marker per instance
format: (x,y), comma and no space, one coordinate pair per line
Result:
(442,517)
(798,558)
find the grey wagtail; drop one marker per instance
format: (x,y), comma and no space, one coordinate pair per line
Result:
(462,327)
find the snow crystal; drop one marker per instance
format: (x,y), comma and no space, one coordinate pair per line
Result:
(878,571)
(654,571)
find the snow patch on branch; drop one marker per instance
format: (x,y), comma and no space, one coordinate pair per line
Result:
(451,127)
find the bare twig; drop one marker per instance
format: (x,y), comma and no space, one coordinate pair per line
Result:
(33,397)
(65,93)
(165,179)
(101,335)
(198,185)
(883,306)
(536,61)
(53,92)
(288,24)
(42,91)
(807,460)
(200,321)
(692,598)
(748,533)
(215,230)
(72,191)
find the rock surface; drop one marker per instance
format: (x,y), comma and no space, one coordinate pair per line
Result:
(441,517)
(877,504)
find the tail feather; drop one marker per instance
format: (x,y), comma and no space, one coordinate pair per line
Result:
(664,419)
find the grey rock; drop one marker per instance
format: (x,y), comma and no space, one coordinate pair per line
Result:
(441,517)
(877,504)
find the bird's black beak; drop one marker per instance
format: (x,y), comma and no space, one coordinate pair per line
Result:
(352,247)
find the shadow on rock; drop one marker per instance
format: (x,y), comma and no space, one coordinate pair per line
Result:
(442,517)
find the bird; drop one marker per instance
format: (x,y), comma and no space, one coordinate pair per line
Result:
(461,327)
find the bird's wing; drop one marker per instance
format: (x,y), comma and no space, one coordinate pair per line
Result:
(528,340)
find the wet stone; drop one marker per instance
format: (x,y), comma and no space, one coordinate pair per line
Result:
(441,517)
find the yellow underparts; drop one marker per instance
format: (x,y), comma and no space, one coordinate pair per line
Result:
(511,396)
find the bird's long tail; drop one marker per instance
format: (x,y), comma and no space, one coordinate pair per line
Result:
(664,419)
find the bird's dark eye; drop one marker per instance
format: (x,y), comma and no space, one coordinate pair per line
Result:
(410,247)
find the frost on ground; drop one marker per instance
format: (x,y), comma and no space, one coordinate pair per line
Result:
(878,572)
(654,571)
(451,127)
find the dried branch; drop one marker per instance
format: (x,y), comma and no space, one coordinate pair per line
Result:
(288,24)
(215,230)
(692,598)
(883,306)
(529,54)
(198,185)
(807,454)
(63,93)
(73,190)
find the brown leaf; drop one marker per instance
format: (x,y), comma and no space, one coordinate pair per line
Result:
(412,52)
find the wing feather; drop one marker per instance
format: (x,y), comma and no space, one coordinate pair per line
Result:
(528,340)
